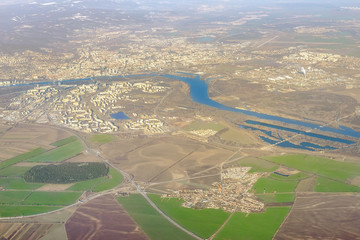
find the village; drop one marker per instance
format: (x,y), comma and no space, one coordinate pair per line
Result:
(232,193)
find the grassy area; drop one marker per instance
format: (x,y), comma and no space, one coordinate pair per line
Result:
(64,141)
(18,184)
(340,40)
(86,185)
(115,178)
(269,185)
(277,197)
(102,138)
(257,165)
(13,171)
(52,198)
(328,185)
(60,153)
(21,157)
(321,166)
(200,125)
(255,225)
(294,177)
(153,224)
(236,136)
(12,197)
(11,211)
(203,222)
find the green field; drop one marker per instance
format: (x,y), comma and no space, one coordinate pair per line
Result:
(52,198)
(60,153)
(21,157)
(13,171)
(294,177)
(115,178)
(12,197)
(269,185)
(86,185)
(102,138)
(336,170)
(11,211)
(64,141)
(254,226)
(328,185)
(202,222)
(276,197)
(200,125)
(153,224)
(18,183)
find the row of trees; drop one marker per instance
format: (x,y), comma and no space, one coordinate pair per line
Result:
(66,172)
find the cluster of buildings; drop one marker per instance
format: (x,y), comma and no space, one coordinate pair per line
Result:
(87,107)
(118,92)
(149,126)
(232,193)
(28,105)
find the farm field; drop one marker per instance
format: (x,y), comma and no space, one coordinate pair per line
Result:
(12,183)
(28,231)
(52,198)
(64,141)
(103,218)
(203,222)
(269,185)
(114,179)
(87,185)
(13,171)
(336,170)
(13,197)
(60,154)
(328,185)
(254,225)
(102,138)
(277,197)
(311,213)
(294,177)
(152,223)
(21,157)
(12,211)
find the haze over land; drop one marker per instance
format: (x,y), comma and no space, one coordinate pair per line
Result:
(190,119)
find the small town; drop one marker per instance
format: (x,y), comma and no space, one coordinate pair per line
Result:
(230,194)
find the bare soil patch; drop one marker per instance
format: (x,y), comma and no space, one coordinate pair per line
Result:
(29,231)
(306,185)
(55,187)
(323,216)
(102,218)
(84,158)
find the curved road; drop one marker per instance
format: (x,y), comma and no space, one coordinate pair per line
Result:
(126,176)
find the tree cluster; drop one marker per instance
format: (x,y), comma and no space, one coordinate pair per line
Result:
(66,172)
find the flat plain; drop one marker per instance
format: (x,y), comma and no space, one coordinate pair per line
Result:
(103,218)
(309,217)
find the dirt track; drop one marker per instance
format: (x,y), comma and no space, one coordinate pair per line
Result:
(103,218)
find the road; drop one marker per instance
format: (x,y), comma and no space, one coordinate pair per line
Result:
(143,193)
(126,176)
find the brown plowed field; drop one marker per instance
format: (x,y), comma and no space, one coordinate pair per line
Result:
(19,231)
(323,216)
(102,218)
